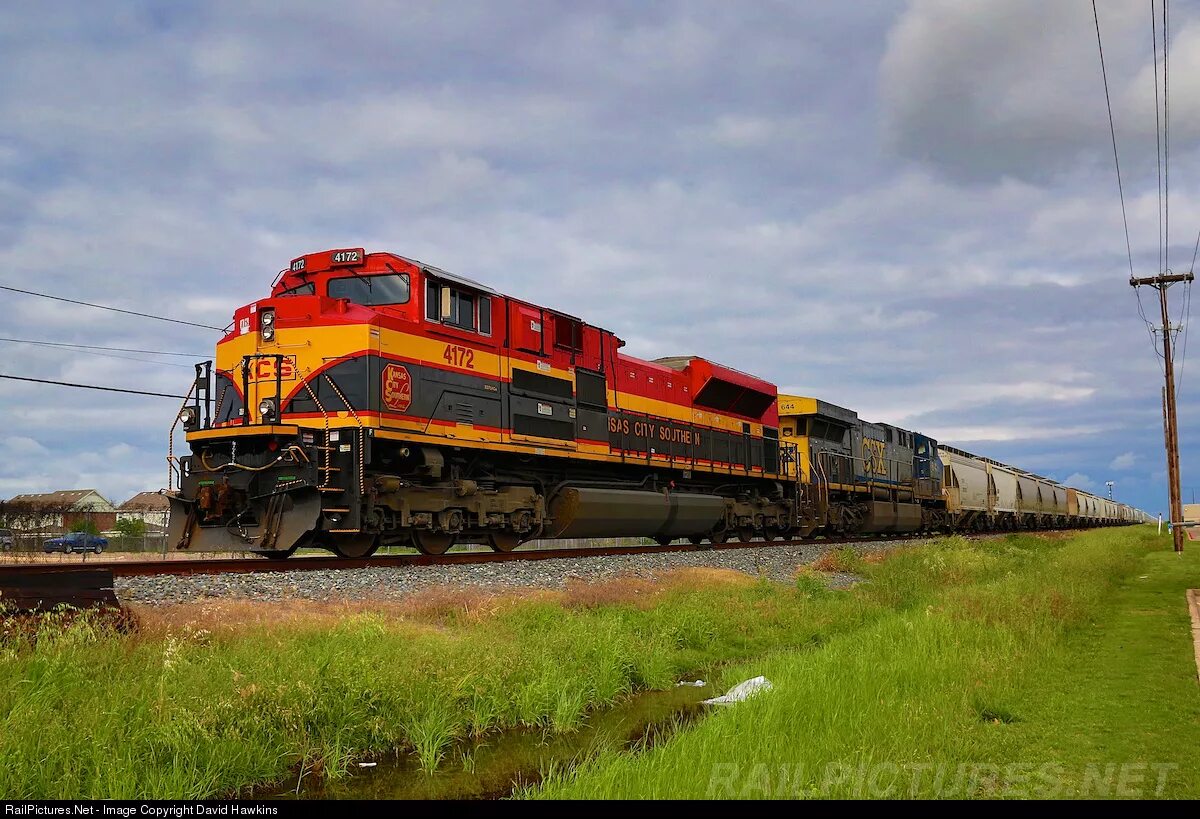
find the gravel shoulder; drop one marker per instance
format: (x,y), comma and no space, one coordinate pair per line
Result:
(777,563)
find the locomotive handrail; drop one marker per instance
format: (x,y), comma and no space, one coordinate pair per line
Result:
(324,469)
(893,476)
(248,409)
(361,435)
(172,469)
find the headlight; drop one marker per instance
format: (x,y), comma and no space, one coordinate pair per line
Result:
(266,323)
(268,333)
(188,417)
(266,409)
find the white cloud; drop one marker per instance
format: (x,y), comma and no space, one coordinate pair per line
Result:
(997,88)
(1123,462)
(1080,481)
(618,162)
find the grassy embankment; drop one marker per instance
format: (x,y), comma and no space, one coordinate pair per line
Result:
(954,652)
(1020,667)
(186,712)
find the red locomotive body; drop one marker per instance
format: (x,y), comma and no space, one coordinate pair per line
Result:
(374,399)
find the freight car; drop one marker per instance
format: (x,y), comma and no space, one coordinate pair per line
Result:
(373,400)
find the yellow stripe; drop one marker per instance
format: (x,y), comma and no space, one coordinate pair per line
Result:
(313,347)
(234,432)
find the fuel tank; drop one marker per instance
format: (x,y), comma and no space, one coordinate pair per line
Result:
(587,512)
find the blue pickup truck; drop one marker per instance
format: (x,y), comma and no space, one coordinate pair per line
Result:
(75,542)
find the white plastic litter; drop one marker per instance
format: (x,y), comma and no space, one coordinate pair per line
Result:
(367,764)
(691,683)
(742,691)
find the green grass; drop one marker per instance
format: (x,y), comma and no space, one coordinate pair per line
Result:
(1023,652)
(1006,668)
(85,712)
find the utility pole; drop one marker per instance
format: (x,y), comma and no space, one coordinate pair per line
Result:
(1110,485)
(1161,283)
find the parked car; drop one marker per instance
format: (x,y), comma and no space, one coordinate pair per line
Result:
(75,542)
(7,541)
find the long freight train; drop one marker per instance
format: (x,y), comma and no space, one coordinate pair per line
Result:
(375,400)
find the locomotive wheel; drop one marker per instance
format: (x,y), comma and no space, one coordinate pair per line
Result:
(503,541)
(432,543)
(279,554)
(356,546)
(745,534)
(718,536)
(663,540)
(695,540)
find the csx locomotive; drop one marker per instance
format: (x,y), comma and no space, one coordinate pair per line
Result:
(374,400)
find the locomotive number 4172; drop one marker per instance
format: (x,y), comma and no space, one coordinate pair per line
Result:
(457,356)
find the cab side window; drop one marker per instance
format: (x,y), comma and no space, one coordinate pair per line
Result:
(432,301)
(468,311)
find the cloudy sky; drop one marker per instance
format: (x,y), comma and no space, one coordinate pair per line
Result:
(906,209)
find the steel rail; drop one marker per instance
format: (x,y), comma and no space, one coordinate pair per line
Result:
(249,565)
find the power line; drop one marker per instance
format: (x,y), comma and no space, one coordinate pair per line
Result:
(1149,329)
(1166,139)
(91,387)
(1113,130)
(96,347)
(1187,312)
(85,351)
(1157,134)
(113,309)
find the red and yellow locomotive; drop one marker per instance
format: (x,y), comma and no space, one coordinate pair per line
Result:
(373,399)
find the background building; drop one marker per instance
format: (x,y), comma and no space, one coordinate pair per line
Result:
(151,508)
(61,511)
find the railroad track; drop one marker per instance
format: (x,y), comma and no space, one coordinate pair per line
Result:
(241,565)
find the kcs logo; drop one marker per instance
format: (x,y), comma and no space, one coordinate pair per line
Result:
(264,369)
(397,387)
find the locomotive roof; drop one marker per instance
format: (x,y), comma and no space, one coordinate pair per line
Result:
(803,405)
(446,274)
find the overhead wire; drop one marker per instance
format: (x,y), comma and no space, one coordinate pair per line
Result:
(1157,133)
(1166,138)
(1185,310)
(110,308)
(90,386)
(97,347)
(1113,130)
(1183,353)
(104,352)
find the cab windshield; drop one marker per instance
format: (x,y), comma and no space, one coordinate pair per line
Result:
(372,291)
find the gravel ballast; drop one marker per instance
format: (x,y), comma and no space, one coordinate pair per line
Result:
(394,583)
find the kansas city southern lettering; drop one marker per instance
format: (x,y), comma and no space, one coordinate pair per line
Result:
(654,431)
